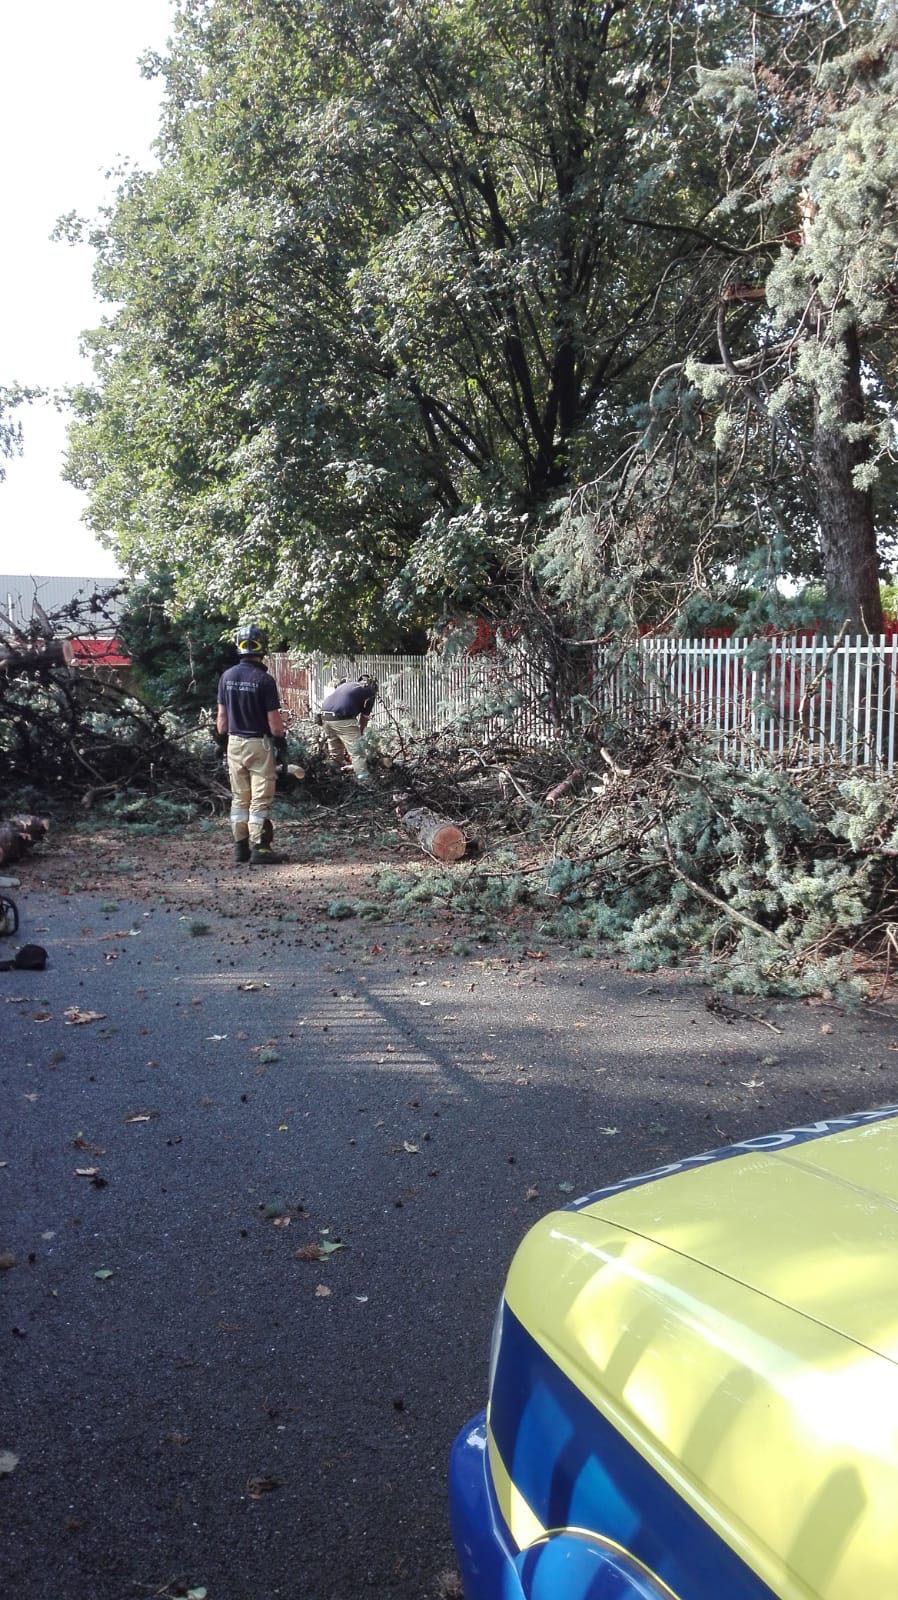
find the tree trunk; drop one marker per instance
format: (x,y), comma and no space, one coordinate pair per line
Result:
(19,834)
(437,835)
(55,653)
(847,528)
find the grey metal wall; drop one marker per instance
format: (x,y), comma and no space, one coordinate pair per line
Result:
(17,593)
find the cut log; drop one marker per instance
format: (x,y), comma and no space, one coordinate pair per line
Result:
(19,834)
(437,835)
(56,653)
(564,787)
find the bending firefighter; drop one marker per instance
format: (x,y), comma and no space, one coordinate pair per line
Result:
(344,714)
(250,727)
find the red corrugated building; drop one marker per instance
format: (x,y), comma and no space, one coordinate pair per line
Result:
(95,654)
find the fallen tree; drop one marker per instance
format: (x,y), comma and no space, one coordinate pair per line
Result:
(73,735)
(53,653)
(773,877)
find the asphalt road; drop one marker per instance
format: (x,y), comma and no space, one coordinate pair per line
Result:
(217,1413)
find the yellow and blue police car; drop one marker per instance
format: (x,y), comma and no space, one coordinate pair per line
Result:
(694,1385)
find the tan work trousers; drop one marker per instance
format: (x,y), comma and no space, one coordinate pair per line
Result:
(253,776)
(344,733)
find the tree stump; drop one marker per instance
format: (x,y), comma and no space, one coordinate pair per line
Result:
(19,834)
(437,835)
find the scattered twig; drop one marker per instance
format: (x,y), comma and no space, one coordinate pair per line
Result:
(728,1013)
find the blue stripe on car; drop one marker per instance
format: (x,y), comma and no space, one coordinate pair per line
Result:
(765,1143)
(576,1471)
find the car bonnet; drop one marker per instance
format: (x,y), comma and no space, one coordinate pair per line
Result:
(737,1324)
(807,1217)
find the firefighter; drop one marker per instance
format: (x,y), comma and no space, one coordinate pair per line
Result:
(344,713)
(250,727)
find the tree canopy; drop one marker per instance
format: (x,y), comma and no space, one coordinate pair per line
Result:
(11,398)
(410,271)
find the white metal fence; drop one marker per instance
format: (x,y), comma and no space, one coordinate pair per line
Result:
(800,700)
(803,700)
(505,691)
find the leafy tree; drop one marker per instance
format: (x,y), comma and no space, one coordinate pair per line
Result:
(396,283)
(11,397)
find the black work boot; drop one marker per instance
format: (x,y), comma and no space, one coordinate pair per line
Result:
(241,851)
(262,855)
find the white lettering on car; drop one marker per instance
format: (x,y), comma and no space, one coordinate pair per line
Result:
(758,1145)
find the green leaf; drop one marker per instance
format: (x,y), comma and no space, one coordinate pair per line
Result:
(104,1273)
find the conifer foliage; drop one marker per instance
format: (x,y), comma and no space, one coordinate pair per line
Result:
(765,446)
(768,879)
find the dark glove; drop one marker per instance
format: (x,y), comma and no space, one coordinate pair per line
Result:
(221,739)
(280,754)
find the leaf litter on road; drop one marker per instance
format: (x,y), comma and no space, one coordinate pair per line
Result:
(263,1483)
(319,1250)
(94,1177)
(75,1017)
(81,1143)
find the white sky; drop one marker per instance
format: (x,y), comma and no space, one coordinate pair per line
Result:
(73,102)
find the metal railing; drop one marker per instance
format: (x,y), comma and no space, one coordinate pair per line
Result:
(804,700)
(789,698)
(504,691)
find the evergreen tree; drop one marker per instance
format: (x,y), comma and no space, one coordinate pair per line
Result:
(766,447)
(178,652)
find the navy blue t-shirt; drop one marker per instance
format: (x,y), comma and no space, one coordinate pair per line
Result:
(349,700)
(248,692)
